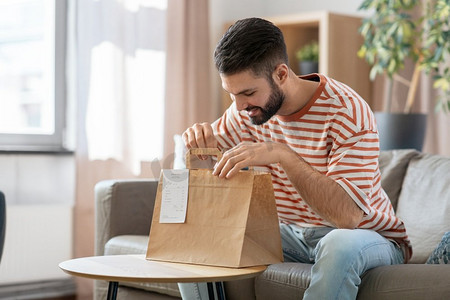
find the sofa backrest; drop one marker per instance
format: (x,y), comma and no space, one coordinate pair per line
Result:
(424,203)
(393,165)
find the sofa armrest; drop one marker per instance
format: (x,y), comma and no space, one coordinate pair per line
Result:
(123,207)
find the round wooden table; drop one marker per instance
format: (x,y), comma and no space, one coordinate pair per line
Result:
(135,268)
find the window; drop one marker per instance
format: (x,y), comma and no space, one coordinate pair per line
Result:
(32,56)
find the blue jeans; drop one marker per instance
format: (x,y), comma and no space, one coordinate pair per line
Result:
(339,258)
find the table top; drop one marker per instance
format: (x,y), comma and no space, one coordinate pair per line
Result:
(136,268)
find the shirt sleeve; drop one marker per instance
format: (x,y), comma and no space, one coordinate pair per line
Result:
(353,164)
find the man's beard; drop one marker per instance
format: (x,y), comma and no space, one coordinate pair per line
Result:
(274,103)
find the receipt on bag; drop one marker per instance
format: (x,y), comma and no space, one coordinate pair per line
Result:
(174,196)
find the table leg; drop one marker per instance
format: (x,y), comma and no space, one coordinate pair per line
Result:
(220,292)
(112,290)
(210,290)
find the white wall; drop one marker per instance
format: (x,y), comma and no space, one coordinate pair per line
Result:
(40,192)
(222,12)
(38,238)
(37,178)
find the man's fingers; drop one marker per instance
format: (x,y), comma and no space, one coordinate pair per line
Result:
(200,135)
(208,135)
(189,138)
(232,161)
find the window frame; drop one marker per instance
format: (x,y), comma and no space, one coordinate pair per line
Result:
(48,142)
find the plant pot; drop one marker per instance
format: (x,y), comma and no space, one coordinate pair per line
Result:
(401,131)
(308,67)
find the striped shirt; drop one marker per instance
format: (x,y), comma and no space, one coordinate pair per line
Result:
(336,134)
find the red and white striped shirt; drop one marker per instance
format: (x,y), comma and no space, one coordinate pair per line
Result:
(336,134)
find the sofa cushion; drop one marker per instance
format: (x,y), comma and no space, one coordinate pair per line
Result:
(424,203)
(441,255)
(283,281)
(411,281)
(137,244)
(393,165)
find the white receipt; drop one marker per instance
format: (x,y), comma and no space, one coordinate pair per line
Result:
(174,196)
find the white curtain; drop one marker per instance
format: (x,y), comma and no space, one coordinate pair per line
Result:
(120,72)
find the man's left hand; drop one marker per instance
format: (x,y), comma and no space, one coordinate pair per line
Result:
(248,154)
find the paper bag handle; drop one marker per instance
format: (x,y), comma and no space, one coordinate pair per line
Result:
(201,151)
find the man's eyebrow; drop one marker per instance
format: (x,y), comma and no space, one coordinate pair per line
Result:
(241,92)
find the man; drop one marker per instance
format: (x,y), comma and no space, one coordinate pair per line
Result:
(318,139)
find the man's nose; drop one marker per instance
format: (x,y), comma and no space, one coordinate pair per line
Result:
(241,103)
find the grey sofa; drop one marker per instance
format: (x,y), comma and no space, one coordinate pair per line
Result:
(418,185)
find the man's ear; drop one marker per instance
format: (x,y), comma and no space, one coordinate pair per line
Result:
(281,73)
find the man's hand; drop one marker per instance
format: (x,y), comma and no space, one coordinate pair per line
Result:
(200,135)
(248,154)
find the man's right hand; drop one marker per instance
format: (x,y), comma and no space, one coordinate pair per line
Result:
(200,135)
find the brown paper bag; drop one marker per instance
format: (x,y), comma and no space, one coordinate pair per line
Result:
(229,222)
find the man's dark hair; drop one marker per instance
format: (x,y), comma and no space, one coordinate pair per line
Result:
(251,44)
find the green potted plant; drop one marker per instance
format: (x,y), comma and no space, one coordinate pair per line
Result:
(407,29)
(308,58)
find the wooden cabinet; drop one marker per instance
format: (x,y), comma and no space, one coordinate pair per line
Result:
(339,42)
